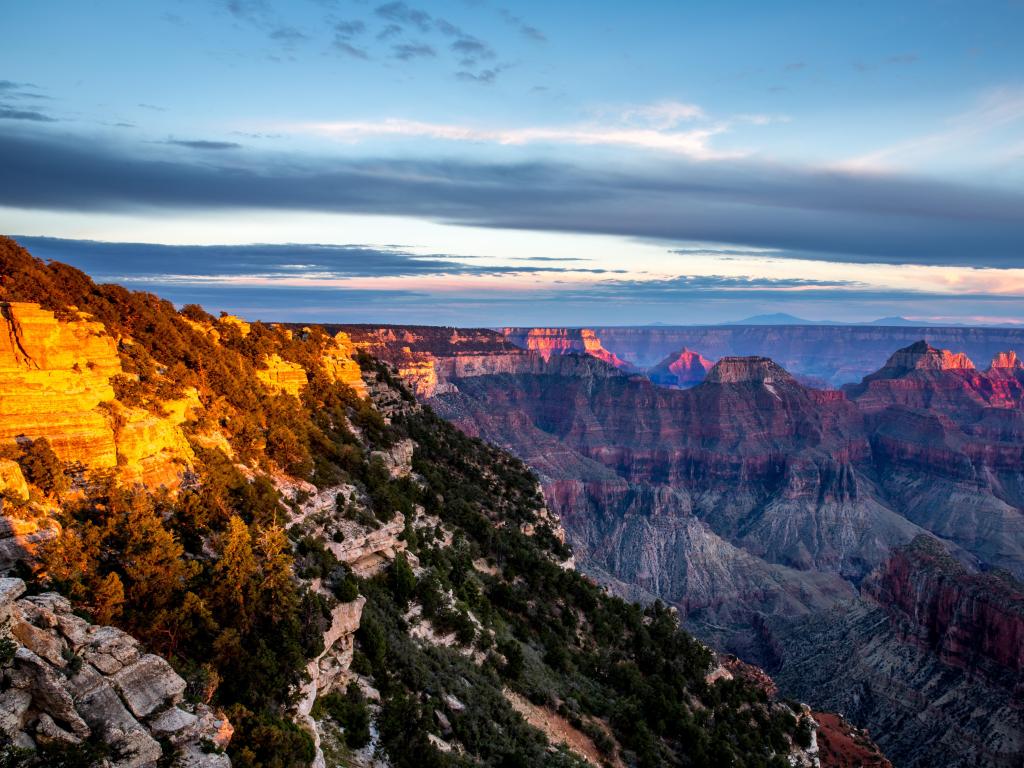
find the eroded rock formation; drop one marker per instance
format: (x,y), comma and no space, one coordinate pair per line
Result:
(563,341)
(684,368)
(71,680)
(752,499)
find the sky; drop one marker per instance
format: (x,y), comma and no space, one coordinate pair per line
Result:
(490,163)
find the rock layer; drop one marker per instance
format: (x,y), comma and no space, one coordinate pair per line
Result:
(56,382)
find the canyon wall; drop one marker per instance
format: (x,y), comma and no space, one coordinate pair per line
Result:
(56,381)
(929,659)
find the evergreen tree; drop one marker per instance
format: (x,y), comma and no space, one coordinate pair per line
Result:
(233,577)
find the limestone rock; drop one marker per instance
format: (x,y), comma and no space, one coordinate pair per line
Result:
(281,375)
(128,699)
(340,364)
(151,449)
(14,703)
(54,378)
(12,481)
(148,685)
(368,552)
(564,341)
(53,375)
(20,536)
(48,732)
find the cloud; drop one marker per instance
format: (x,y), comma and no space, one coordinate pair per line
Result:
(410,51)
(472,49)
(248,10)
(270,263)
(346,30)
(10,89)
(995,109)
(485,76)
(358,283)
(401,13)
(806,213)
(469,49)
(203,144)
(694,143)
(527,30)
(288,36)
(11,113)
(350,50)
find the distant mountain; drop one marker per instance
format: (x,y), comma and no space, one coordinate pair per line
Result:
(777,318)
(891,321)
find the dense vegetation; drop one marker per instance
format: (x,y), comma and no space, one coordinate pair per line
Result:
(210,578)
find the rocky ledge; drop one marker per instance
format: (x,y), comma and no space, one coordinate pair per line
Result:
(68,682)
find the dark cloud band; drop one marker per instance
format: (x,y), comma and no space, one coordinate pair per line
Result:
(832,216)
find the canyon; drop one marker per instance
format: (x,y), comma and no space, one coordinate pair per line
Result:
(773,514)
(239,543)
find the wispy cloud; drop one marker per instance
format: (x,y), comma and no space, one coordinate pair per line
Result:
(311,263)
(203,144)
(810,214)
(994,110)
(653,127)
(410,51)
(403,13)
(31,115)
(288,36)
(517,22)
(692,143)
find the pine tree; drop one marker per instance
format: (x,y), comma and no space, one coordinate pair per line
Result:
(155,572)
(108,599)
(234,577)
(277,593)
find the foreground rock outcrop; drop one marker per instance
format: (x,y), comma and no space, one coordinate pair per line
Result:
(70,682)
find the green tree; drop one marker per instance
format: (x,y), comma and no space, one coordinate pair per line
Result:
(403,581)
(43,468)
(233,577)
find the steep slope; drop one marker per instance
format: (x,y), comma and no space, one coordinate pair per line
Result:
(949,448)
(929,659)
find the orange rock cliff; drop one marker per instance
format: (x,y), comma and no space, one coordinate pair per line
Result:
(57,381)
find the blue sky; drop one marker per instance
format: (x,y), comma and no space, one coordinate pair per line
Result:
(480,163)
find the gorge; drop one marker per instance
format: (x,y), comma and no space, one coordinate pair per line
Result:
(772,513)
